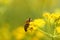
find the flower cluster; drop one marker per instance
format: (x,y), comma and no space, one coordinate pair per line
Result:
(50,19)
(36,23)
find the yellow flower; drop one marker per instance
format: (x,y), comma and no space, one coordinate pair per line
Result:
(31,29)
(55,15)
(58,29)
(35,24)
(46,15)
(19,33)
(32,24)
(51,17)
(39,22)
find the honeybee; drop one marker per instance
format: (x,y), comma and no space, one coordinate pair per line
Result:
(27,24)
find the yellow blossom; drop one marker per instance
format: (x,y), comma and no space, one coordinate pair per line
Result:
(19,33)
(55,15)
(32,24)
(58,29)
(46,15)
(31,29)
(39,22)
(51,17)
(35,24)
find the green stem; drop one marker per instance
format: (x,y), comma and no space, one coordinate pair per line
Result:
(45,33)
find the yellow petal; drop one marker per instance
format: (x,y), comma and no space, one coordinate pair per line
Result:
(39,22)
(46,15)
(58,29)
(19,33)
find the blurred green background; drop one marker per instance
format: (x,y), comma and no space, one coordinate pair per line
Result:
(15,12)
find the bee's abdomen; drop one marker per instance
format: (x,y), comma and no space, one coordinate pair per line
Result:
(26,27)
